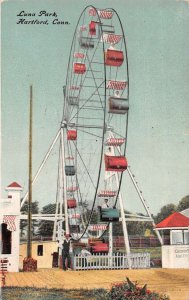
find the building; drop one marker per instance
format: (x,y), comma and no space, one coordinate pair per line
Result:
(45,252)
(176,254)
(10,226)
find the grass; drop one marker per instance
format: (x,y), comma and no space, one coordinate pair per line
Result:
(17,293)
(155,252)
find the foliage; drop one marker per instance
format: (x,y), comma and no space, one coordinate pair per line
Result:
(122,291)
(168,209)
(131,291)
(165,211)
(134,228)
(139,228)
(23,223)
(117,229)
(95,216)
(46,227)
(18,293)
(183,203)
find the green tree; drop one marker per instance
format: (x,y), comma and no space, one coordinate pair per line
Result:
(133,227)
(23,223)
(183,203)
(46,227)
(165,211)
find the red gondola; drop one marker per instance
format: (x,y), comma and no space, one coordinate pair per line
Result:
(79,68)
(92,28)
(71,203)
(114,58)
(71,135)
(100,247)
(115,163)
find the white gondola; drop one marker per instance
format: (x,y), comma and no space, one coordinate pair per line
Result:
(118,105)
(73,101)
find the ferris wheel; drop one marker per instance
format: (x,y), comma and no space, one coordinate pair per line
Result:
(95,122)
(93,134)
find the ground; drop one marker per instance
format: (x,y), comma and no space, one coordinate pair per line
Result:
(173,282)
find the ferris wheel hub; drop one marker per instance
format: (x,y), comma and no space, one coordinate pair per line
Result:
(64,124)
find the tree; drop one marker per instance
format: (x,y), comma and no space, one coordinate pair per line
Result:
(139,227)
(165,211)
(117,229)
(46,227)
(133,227)
(24,223)
(183,203)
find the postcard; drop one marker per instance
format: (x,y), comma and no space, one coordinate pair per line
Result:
(94,134)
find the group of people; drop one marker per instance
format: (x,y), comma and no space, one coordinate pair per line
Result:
(65,246)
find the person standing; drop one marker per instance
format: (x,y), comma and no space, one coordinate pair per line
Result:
(66,258)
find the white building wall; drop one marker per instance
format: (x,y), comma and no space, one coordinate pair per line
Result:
(11,207)
(175,256)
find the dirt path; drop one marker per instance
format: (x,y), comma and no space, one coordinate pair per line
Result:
(173,282)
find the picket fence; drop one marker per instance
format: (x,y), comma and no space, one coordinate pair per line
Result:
(116,261)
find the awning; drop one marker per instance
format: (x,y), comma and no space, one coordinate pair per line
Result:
(10,221)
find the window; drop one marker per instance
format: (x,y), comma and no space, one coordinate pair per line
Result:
(180,237)
(186,237)
(40,250)
(176,237)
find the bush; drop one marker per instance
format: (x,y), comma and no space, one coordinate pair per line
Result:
(130,291)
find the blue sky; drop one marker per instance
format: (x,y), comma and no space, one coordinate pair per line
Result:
(157,36)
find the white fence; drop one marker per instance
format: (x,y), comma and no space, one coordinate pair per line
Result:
(116,261)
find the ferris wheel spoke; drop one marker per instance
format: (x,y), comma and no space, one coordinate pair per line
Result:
(94,81)
(94,52)
(85,167)
(92,134)
(87,101)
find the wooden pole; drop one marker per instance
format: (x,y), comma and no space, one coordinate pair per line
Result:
(29,239)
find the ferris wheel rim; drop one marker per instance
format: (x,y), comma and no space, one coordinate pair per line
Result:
(67,84)
(105,95)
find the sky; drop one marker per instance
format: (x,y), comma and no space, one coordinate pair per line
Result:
(157,36)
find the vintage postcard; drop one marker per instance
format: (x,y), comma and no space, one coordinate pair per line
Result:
(94,145)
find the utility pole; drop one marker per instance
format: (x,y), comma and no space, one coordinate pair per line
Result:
(30,264)
(29,238)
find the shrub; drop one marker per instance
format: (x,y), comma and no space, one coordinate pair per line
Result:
(131,291)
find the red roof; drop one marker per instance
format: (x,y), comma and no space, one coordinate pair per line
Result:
(174,220)
(14,185)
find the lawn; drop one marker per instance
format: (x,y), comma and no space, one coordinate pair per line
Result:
(155,252)
(17,293)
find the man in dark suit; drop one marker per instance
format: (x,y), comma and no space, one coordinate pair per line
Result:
(66,253)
